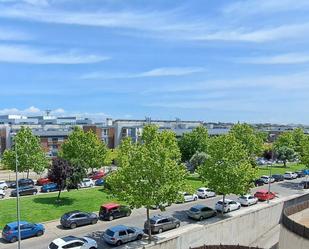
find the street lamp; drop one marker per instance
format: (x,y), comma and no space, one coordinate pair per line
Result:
(17,193)
(269,180)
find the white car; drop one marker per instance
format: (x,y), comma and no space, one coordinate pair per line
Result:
(2,194)
(205,193)
(247,200)
(267,179)
(229,205)
(290,175)
(74,243)
(188,197)
(86,183)
(3,185)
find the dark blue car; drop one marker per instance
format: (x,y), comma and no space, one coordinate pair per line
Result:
(27,230)
(99,182)
(49,187)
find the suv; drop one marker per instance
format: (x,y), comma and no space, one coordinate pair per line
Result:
(113,210)
(3,185)
(78,218)
(120,234)
(23,182)
(27,190)
(160,223)
(205,193)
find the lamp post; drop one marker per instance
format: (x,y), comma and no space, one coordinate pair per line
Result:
(269,180)
(17,194)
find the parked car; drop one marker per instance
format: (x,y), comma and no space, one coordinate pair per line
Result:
(304,184)
(290,175)
(186,197)
(247,200)
(111,211)
(3,185)
(205,193)
(23,182)
(161,223)
(74,243)
(267,179)
(264,195)
(2,193)
(99,182)
(258,182)
(42,181)
(229,205)
(27,230)
(27,190)
(200,212)
(86,183)
(49,187)
(97,175)
(120,234)
(278,177)
(77,218)
(300,173)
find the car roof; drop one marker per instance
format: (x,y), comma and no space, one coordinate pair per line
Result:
(65,240)
(226,200)
(110,205)
(118,228)
(246,195)
(199,206)
(14,224)
(73,212)
(265,176)
(159,217)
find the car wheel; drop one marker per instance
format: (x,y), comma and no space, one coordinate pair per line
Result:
(47,191)
(195,198)
(39,233)
(119,243)
(93,248)
(177,225)
(160,230)
(34,193)
(5,188)
(91,185)
(110,218)
(139,237)
(13,240)
(129,213)
(73,225)
(201,218)
(94,222)
(2,196)
(239,207)
(229,210)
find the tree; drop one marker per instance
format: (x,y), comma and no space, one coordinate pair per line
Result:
(305,155)
(227,169)
(196,140)
(252,141)
(84,149)
(285,154)
(149,172)
(284,139)
(30,155)
(60,172)
(198,159)
(298,136)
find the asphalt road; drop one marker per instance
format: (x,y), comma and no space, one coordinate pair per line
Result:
(54,230)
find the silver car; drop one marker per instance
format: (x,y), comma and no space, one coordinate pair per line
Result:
(120,234)
(160,223)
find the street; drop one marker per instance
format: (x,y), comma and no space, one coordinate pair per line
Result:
(54,230)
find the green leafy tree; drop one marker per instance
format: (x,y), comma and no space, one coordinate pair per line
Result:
(298,137)
(84,149)
(30,155)
(285,154)
(284,139)
(252,140)
(227,169)
(150,172)
(198,159)
(305,155)
(194,141)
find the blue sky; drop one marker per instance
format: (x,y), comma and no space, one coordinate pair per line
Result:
(222,60)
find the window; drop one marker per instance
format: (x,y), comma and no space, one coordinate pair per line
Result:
(80,216)
(122,233)
(73,245)
(130,231)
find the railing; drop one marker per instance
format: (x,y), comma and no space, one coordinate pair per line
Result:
(225,247)
(292,225)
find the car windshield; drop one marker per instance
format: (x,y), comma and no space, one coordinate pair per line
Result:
(220,202)
(195,210)
(152,221)
(243,197)
(53,246)
(200,190)
(109,233)
(103,210)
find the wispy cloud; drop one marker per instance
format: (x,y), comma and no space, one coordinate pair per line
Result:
(10,34)
(157,72)
(24,54)
(290,58)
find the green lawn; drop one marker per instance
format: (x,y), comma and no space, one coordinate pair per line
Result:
(280,169)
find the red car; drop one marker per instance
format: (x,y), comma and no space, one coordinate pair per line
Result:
(42,181)
(97,175)
(264,195)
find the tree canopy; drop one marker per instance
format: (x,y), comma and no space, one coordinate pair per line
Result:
(194,141)
(30,154)
(149,172)
(285,154)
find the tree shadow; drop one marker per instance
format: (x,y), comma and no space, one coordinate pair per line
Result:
(2,241)
(64,201)
(290,185)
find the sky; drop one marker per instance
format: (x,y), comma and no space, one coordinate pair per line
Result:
(223,60)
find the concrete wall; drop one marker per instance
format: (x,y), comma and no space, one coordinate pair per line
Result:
(245,228)
(290,240)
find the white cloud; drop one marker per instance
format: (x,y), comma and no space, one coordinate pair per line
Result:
(290,58)
(32,109)
(23,54)
(157,72)
(10,34)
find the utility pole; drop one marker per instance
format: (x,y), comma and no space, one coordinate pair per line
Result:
(269,180)
(17,194)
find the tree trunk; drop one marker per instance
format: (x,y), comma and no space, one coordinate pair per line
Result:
(60,188)
(284,163)
(148,225)
(28,173)
(223,205)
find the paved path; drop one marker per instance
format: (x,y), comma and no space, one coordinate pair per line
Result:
(53,230)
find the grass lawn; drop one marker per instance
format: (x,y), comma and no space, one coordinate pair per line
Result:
(280,169)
